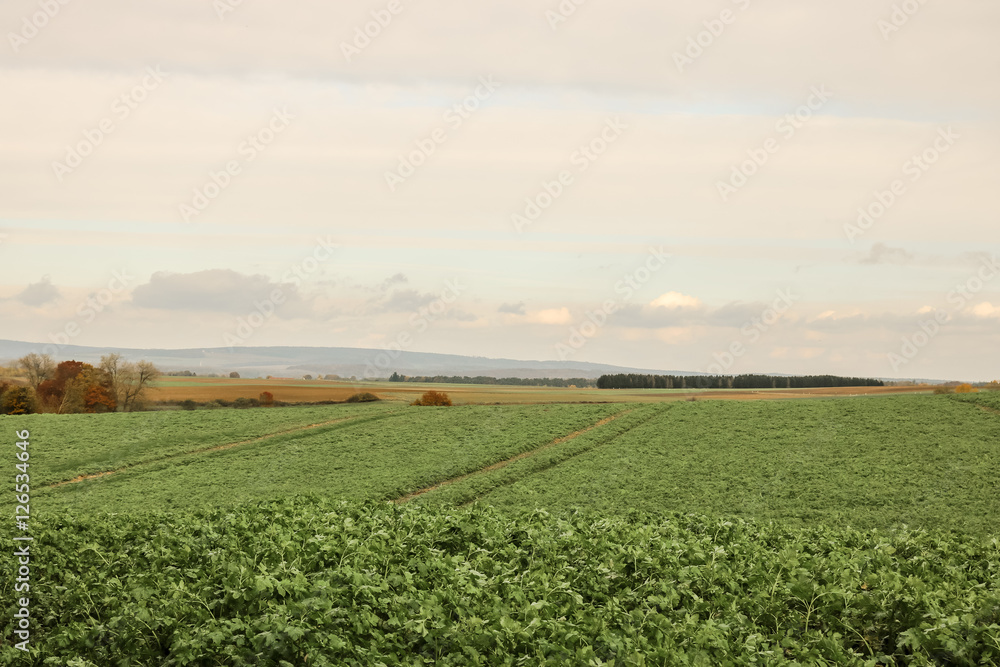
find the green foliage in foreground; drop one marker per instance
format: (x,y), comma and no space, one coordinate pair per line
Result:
(316,582)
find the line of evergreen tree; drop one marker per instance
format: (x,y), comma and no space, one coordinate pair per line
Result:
(483,379)
(747,381)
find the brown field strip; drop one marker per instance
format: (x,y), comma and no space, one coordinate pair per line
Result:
(203,450)
(502,464)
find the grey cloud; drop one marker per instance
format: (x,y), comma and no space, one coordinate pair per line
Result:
(880,253)
(512,308)
(215,290)
(38,294)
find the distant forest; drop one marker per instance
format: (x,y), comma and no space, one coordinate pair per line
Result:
(482,379)
(639,381)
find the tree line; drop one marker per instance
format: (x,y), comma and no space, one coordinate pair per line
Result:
(746,381)
(483,379)
(75,387)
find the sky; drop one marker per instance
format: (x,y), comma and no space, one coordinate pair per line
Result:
(729,186)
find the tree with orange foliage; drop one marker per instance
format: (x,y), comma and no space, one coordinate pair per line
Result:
(266,399)
(966,389)
(77,387)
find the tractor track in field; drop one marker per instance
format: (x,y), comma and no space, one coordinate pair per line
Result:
(565,460)
(213,448)
(506,462)
(992,411)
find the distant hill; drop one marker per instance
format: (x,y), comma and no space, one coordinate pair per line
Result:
(343,361)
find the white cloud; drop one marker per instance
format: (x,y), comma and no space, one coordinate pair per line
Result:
(551,316)
(675,300)
(986,309)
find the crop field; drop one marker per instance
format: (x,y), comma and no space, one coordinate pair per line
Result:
(315,582)
(858,531)
(172,389)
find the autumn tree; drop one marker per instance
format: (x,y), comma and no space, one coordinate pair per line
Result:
(129,380)
(37,368)
(76,387)
(52,391)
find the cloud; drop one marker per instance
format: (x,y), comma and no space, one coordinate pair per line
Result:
(986,309)
(880,253)
(512,308)
(398,279)
(38,294)
(552,316)
(215,290)
(675,300)
(402,301)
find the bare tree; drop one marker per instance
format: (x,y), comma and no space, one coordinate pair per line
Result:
(129,380)
(37,367)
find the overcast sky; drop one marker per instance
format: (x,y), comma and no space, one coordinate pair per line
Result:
(665,185)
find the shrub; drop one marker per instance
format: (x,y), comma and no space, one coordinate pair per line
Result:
(18,401)
(266,399)
(943,390)
(243,402)
(364,397)
(234,375)
(433,398)
(188,404)
(966,389)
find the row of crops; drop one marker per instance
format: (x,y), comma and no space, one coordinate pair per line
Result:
(311,581)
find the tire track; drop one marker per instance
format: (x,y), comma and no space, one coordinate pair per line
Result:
(588,450)
(215,448)
(502,464)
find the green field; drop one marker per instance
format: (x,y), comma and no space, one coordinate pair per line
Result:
(856,531)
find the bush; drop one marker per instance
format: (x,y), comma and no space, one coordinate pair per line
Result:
(266,399)
(18,401)
(364,397)
(188,404)
(943,390)
(966,389)
(243,402)
(433,398)
(234,375)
